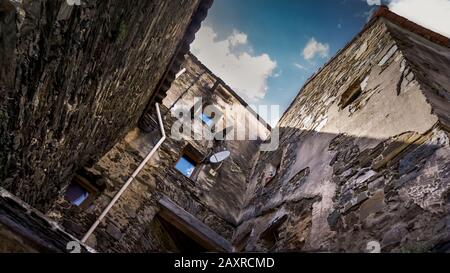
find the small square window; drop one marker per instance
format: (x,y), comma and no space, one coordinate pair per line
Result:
(186,166)
(80,192)
(209,113)
(76,194)
(189,162)
(207,119)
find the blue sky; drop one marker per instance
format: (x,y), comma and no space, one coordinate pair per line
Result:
(267,49)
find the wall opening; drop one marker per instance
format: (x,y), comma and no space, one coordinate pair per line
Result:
(272,168)
(196,231)
(272,234)
(76,194)
(208,113)
(186,165)
(207,119)
(189,162)
(183,242)
(80,192)
(351,95)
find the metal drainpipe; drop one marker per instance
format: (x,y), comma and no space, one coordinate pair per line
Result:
(125,186)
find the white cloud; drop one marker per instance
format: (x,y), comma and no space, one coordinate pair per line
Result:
(278,74)
(238,38)
(432,14)
(244,71)
(299,66)
(314,48)
(373,2)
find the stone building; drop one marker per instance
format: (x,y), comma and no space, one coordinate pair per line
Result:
(206,192)
(74,79)
(363,157)
(364,154)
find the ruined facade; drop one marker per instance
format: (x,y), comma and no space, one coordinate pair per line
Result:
(364,151)
(213,194)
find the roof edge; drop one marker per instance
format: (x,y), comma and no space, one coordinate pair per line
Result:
(431,35)
(229,89)
(382,12)
(183,47)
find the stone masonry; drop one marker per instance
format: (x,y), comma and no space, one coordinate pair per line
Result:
(363,160)
(214,196)
(364,151)
(74,81)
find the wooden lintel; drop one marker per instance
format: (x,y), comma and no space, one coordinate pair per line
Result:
(193,227)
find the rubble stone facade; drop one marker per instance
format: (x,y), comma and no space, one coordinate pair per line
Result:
(214,196)
(74,80)
(364,152)
(363,157)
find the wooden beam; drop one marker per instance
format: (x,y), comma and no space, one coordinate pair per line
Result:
(193,227)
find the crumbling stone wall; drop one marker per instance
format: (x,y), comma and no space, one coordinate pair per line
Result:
(131,225)
(215,198)
(74,80)
(225,186)
(430,65)
(364,154)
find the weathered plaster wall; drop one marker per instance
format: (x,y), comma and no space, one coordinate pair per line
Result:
(131,225)
(430,63)
(74,80)
(375,170)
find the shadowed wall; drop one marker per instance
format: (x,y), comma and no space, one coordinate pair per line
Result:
(74,80)
(364,153)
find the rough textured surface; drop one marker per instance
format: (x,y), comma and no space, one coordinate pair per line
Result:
(213,198)
(25,230)
(226,187)
(365,154)
(364,148)
(74,80)
(430,63)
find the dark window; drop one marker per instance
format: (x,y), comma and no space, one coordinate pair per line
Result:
(81,192)
(183,243)
(271,235)
(76,194)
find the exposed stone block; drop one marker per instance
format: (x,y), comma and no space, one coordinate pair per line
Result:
(373,205)
(114,232)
